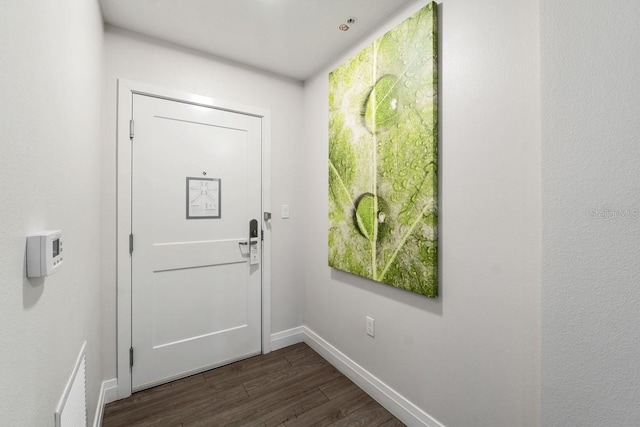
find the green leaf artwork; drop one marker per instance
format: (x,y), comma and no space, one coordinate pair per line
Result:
(383,158)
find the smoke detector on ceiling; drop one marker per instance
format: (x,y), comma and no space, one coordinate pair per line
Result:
(347,24)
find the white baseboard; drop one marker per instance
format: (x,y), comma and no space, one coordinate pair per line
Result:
(108,394)
(110,390)
(390,399)
(286,338)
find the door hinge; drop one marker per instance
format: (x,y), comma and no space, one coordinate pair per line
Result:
(131,128)
(131,357)
(130,243)
(262,235)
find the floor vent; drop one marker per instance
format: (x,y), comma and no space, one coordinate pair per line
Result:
(72,409)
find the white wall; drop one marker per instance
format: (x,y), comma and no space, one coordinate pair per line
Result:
(138,58)
(591,158)
(471,357)
(50,177)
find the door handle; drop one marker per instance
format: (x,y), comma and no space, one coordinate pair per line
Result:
(247,243)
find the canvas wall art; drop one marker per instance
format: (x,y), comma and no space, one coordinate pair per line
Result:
(383,158)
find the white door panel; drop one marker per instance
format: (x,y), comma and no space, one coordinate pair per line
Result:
(173,256)
(196,300)
(202,311)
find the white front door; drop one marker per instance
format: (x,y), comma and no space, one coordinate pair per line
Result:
(196,272)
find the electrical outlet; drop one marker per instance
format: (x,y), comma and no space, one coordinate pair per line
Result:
(371,327)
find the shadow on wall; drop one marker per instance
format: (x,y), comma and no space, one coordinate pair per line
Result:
(33,288)
(432,305)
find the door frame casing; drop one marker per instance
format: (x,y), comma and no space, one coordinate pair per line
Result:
(126,90)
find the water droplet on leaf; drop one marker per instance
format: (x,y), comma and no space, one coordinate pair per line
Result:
(371,222)
(380,110)
(364,215)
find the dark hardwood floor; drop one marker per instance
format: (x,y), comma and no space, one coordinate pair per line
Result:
(293,386)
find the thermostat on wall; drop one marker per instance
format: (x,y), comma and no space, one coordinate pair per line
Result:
(44,253)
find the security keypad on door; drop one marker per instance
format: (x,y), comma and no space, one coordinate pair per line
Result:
(253,242)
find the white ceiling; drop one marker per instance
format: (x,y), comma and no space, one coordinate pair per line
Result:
(293,38)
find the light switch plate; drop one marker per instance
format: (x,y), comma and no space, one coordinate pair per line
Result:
(285,212)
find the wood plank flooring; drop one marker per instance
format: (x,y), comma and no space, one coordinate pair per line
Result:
(290,387)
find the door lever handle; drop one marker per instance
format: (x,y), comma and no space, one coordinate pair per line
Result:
(248,243)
